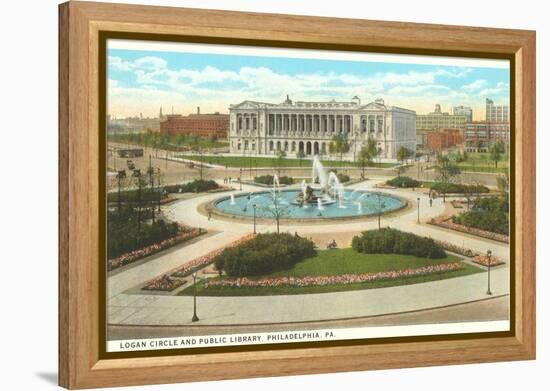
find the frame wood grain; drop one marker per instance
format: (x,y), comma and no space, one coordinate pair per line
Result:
(79,25)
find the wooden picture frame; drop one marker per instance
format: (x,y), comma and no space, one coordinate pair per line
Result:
(80,24)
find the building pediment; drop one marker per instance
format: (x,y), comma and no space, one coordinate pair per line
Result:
(373,106)
(250,105)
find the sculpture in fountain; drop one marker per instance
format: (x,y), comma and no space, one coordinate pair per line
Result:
(329,189)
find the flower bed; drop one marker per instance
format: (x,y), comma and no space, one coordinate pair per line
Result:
(221,189)
(174,278)
(132,256)
(331,280)
(458,204)
(456,249)
(477,257)
(447,222)
(484,260)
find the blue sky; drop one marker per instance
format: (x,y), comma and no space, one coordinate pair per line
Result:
(142,81)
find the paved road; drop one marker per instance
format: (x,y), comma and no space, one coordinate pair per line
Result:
(127,308)
(130,309)
(496,308)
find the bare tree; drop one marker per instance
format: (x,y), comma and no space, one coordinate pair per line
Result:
(275,208)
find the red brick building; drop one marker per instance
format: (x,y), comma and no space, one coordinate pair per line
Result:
(480,135)
(202,125)
(437,141)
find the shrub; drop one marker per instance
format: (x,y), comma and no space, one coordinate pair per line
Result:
(403,181)
(389,240)
(125,234)
(147,195)
(196,186)
(488,214)
(264,254)
(447,188)
(268,180)
(343,178)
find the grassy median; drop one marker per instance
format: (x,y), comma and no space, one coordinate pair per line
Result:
(338,262)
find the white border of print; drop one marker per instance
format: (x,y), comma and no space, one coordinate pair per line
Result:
(304,336)
(304,53)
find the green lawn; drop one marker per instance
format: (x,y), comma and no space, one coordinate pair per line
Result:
(244,161)
(502,167)
(166,141)
(342,261)
(481,162)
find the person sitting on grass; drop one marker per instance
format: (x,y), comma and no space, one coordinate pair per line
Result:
(331,245)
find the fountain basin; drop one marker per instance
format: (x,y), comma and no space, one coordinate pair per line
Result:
(355,203)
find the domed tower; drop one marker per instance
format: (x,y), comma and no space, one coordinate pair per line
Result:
(356,101)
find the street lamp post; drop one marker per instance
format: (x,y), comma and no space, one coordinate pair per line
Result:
(240,178)
(418,210)
(489,253)
(254,206)
(195,317)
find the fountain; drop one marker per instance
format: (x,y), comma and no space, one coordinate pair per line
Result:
(324,198)
(276,183)
(329,189)
(319,204)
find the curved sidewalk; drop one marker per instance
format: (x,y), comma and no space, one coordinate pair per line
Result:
(126,309)
(136,309)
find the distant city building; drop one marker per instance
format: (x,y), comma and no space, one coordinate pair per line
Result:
(309,127)
(133,124)
(214,125)
(478,136)
(496,113)
(437,121)
(464,111)
(440,140)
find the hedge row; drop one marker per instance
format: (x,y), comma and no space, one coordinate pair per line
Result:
(264,254)
(447,188)
(268,180)
(403,181)
(196,186)
(392,241)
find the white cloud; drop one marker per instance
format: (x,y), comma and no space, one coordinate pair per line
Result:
(475,85)
(151,63)
(117,63)
(214,89)
(500,88)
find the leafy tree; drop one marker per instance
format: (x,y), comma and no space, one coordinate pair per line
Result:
(367,154)
(447,171)
(402,155)
(496,152)
(339,145)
